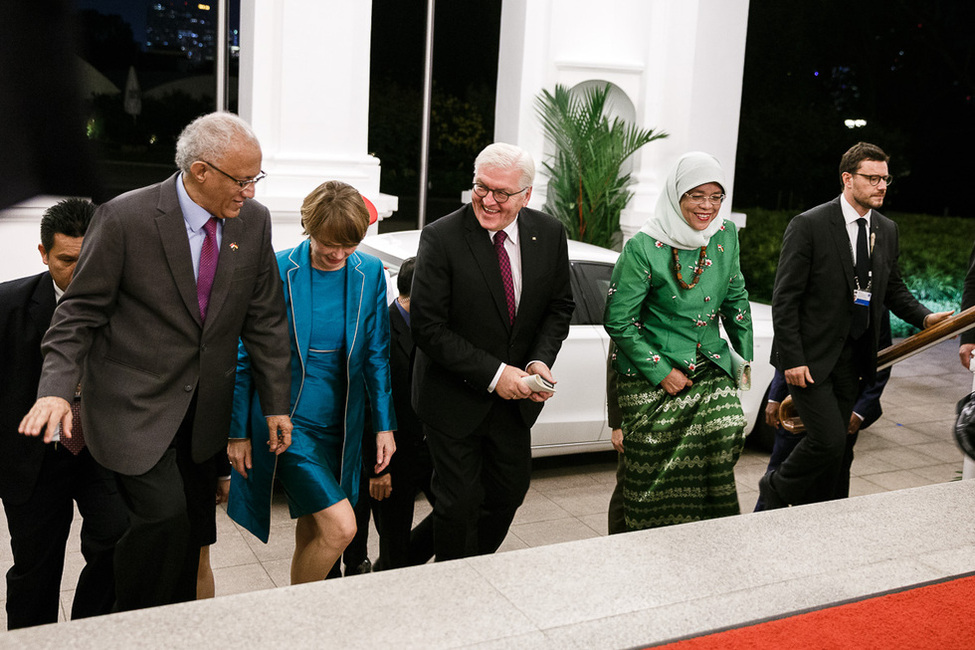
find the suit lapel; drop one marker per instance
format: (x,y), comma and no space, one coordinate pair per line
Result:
(532,264)
(354,282)
(841,240)
(176,245)
(226,265)
(479,242)
(298,288)
(42,304)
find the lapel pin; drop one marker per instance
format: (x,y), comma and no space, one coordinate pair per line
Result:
(233,245)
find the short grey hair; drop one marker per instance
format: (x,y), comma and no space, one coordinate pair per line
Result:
(210,136)
(501,155)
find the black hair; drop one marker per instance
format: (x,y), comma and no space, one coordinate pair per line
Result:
(69,217)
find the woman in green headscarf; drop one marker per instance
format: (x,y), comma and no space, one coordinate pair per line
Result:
(682,419)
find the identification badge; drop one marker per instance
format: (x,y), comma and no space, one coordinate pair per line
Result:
(861,298)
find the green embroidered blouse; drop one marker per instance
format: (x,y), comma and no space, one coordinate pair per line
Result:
(658,326)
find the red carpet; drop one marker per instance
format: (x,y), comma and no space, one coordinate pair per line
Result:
(937,617)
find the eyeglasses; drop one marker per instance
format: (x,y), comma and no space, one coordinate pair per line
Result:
(874,180)
(499,195)
(699,199)
(243,184)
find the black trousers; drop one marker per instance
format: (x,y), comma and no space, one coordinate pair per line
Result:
(171,509)
(479,480)
(39,531)
(810,473)
(400,544)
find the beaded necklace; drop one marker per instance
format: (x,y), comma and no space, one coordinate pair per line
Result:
(697,270)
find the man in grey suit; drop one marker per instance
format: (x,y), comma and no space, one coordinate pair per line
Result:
(491,304)
(170,277)
(837,271)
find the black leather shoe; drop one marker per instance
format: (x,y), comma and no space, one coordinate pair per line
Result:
(769,495)
(364,567)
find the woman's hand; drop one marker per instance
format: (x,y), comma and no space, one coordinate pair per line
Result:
(617,439)
(675,382)
(385,447)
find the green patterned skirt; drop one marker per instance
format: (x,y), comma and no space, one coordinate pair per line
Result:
(680,452)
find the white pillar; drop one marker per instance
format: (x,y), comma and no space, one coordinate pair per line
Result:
(304,87)
(680,63)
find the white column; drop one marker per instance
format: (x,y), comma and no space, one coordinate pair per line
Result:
(680,62)
(304,87)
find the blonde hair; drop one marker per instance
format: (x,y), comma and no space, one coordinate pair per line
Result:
(334,213)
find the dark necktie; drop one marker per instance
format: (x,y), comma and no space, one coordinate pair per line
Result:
(861,313)
(505,263)
(76,442)
(208,266)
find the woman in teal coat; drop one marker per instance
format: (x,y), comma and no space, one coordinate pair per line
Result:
(682,419)
(339,330)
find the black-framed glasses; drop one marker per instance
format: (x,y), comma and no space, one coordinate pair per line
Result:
(499,195)
(243,184)
(874,179)
(699,199)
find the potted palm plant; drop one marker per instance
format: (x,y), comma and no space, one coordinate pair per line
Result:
(587,188)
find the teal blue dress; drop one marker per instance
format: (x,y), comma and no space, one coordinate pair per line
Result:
(308,470)
(338,326)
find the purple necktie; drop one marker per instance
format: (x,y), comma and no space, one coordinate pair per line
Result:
(505,264)
(76,442)
(208,266)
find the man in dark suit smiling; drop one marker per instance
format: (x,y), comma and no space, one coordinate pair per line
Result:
(837,271)
(491,305)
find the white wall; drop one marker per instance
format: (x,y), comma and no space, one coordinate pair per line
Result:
(680,62)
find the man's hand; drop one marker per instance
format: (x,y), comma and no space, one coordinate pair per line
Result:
(617,438)
(934,319)
(239,453)
(279,433)
(965,354)
(510,385)
(385,448)
(798,376)
(772,414)
(45,416)
(675,382)
(855,422)
(381,487)
(542,370)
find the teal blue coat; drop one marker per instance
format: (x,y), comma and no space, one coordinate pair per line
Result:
(367,350)
(659,326)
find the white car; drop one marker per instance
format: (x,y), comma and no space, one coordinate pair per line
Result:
(575,419)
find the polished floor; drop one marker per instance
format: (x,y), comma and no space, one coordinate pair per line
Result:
(911,446)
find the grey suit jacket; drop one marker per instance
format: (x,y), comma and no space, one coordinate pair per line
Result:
(459,315)
(812,302)
(129,328)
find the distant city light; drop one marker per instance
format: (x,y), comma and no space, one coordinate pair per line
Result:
(202,7)
(855,124)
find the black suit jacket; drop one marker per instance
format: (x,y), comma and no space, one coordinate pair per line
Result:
(26,306)
(812,302)
(459,315)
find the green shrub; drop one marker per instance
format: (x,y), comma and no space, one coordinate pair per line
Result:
(933,257)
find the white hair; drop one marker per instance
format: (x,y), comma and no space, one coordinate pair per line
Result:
(210,136)
(501,155)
